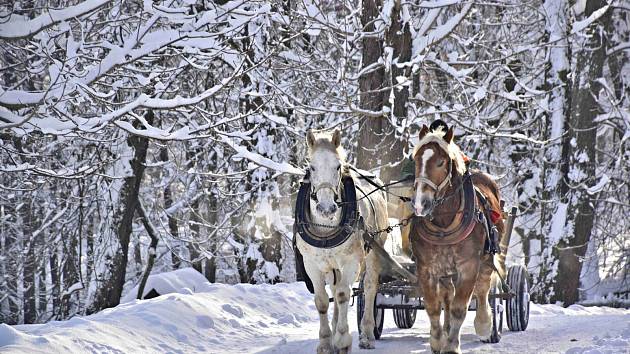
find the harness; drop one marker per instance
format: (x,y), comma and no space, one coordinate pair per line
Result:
(445,182)
(338,234)
(466,218)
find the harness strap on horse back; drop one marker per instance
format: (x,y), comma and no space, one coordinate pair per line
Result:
(464,222)
(491,245)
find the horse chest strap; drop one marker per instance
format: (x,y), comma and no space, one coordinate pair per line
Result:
(452,237)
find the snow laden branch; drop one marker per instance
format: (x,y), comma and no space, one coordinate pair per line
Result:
(280,167)
(16,28)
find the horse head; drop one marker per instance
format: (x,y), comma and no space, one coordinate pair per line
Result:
(327,161)
(438,162)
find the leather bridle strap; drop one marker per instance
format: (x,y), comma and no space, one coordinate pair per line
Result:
(445,182)
(326,185)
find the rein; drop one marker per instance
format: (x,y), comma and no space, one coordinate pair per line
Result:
(436,202)
(383,187)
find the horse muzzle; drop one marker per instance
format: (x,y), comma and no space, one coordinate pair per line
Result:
(327,210)
(423,208)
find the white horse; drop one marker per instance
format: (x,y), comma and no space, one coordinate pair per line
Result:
(341,263)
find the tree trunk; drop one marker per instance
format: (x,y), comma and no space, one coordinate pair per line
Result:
(71,268)
(30,267)
(151,253)
(192,154)
(172,222)
(109,291)
(580,166)
(195,229)
(55,292)
(554,191)
(378,145)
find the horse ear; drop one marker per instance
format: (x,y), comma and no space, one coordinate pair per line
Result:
(336,137)
(310,138)
(423,131)
(449,135)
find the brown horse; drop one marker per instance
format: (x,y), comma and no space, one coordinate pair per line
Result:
(448,243)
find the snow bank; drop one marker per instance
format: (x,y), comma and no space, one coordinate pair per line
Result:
(574,310)
(282,318)
(222,318)
(181,281)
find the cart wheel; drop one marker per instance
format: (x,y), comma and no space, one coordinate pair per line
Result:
(379,314)
(517,313)
(496,305)
(404,318)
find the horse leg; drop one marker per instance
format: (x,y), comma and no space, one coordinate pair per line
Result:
(459,307)
(342,340)
(446,302)
(321,302)
(370,284)
(335,317)
(483,316)
(433,306)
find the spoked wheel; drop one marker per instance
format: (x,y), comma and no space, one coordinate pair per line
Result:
(496,305)
(379,314)
(404,318)
(517,313)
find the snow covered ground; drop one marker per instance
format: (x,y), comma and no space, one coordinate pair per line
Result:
(243,318)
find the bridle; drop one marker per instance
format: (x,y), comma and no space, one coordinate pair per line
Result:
(325,185)
(439,198)
(445,182)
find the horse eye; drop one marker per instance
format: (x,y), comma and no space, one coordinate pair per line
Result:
(312,169)
(338,167)
(440,163)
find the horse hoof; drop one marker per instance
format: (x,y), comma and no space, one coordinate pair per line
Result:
(345,350)
(366,344)
(456,351)
(325,349)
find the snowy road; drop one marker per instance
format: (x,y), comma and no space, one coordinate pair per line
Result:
(281,318)
(552,330)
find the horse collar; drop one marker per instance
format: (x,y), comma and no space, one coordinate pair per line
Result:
(340,233)
(456,232)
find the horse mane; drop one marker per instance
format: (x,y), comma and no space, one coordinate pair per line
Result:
(453,151)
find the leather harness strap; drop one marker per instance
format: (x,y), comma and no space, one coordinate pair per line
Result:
(462,226)
(338,234)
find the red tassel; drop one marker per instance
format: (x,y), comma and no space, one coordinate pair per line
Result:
(495,216)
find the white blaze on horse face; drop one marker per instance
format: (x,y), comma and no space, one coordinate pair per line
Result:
(421,197)
(325,170)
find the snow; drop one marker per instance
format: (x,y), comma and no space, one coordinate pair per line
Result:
(282,318)
(182,281)
(581,25)
(557,223)
(281,167)
(19,28)
(599,186)
(421,43)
